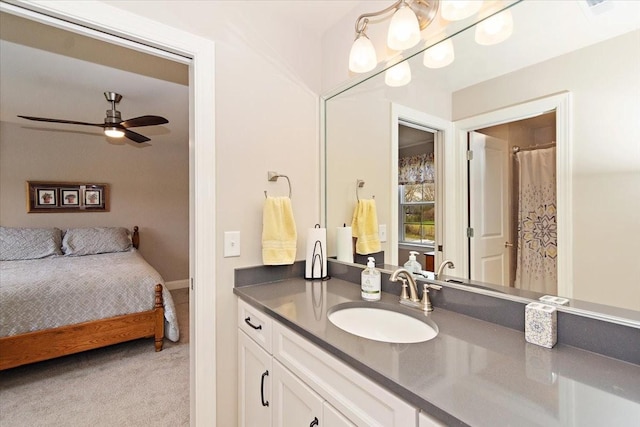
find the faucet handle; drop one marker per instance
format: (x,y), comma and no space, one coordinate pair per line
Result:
(404,294)
(426,302)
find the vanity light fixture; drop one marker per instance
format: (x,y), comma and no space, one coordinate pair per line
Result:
(408,19)
(439,55)
(456,10)
(398,75)
(495,29)
(113,132)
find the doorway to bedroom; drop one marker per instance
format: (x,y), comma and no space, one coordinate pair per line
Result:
(51,72)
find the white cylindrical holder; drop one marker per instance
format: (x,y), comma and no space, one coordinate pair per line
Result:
(316,259)
(344,244)
(541,324)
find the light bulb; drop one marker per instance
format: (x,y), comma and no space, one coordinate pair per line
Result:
(398,75)
(404,29)
(455,10)
(114,132)
(496,29)
(440,55)
(362,57)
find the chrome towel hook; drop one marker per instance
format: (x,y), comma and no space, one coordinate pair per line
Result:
(273,176)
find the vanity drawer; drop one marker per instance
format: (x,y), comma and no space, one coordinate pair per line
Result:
(255,324)
(362,401)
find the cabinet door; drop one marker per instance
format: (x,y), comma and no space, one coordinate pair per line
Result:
(295,404)
(254,383)
(332,418)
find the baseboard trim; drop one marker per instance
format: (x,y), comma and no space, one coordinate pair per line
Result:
(177,284)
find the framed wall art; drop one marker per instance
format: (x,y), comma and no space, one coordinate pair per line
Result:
(47,197)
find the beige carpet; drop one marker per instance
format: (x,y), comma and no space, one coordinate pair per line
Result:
(127,384)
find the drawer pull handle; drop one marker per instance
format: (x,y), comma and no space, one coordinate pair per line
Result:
(265,374)
(315,422)
(248,322)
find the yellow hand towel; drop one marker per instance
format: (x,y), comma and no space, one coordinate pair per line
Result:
(365,227)
(279,236)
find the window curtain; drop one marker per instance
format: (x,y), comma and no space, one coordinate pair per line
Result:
(536,268)
(416,169)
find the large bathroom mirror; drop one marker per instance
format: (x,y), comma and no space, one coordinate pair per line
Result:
(568,77)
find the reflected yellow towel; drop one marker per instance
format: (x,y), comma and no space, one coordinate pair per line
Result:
(365,227)
(279,236)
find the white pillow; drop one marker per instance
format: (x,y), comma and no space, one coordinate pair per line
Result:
(96,240)
(29,243)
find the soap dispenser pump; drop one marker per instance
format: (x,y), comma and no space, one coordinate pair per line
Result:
(370,281)
(413,266)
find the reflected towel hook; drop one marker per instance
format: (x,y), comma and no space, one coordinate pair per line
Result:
(360,184)
(273,176)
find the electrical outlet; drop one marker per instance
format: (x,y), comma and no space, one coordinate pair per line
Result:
(231,244)
(382,232)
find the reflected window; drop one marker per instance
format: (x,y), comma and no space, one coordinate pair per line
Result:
(416,186)
(417,208)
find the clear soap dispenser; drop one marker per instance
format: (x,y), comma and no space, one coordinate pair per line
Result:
(413,266)
(370,281)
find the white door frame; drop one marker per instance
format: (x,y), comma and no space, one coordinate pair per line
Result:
(445,128)
(458,175)
(96,19)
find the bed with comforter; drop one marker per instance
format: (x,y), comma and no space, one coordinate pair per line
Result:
(61,293)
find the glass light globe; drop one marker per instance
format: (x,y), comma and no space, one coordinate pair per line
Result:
(362,57)
(496,29)
(456,10)
(440,55)
(398,75)
(114,132)
(404,29)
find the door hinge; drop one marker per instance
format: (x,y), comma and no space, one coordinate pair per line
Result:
(191,283)
(469,232)
(469,155)
(439,248)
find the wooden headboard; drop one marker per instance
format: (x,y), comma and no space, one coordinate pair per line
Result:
(135,238)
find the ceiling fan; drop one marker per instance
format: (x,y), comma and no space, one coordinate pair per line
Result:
(113,124)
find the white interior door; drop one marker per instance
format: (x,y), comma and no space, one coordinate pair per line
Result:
(489,209)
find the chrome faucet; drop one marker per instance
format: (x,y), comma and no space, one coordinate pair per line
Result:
(412,299)
(444,264)
(413,289)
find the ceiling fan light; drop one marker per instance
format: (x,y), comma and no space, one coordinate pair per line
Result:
(439,55)
(456,10)
(113,132)
(404,29)
(398,75)
(362,57)
(495,29)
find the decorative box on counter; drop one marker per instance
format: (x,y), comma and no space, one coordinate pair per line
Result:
(541,324)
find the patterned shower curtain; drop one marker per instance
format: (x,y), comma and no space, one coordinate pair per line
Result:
(536,268)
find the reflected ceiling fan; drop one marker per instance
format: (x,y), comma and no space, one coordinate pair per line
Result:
(113,124)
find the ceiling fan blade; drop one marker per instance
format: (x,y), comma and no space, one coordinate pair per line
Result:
(71,122)
(135,137)
(144,121)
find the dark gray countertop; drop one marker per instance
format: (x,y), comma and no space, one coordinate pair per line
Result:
(473,373)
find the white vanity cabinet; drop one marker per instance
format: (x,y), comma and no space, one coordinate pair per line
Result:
(426,420)
(255,371)
(287,381)
(255,375)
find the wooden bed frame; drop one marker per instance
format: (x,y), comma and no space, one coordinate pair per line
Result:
(30,347)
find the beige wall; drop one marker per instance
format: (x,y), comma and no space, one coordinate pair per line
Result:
(149,187)
(604,80)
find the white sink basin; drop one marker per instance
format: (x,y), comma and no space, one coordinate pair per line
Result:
(380,323)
